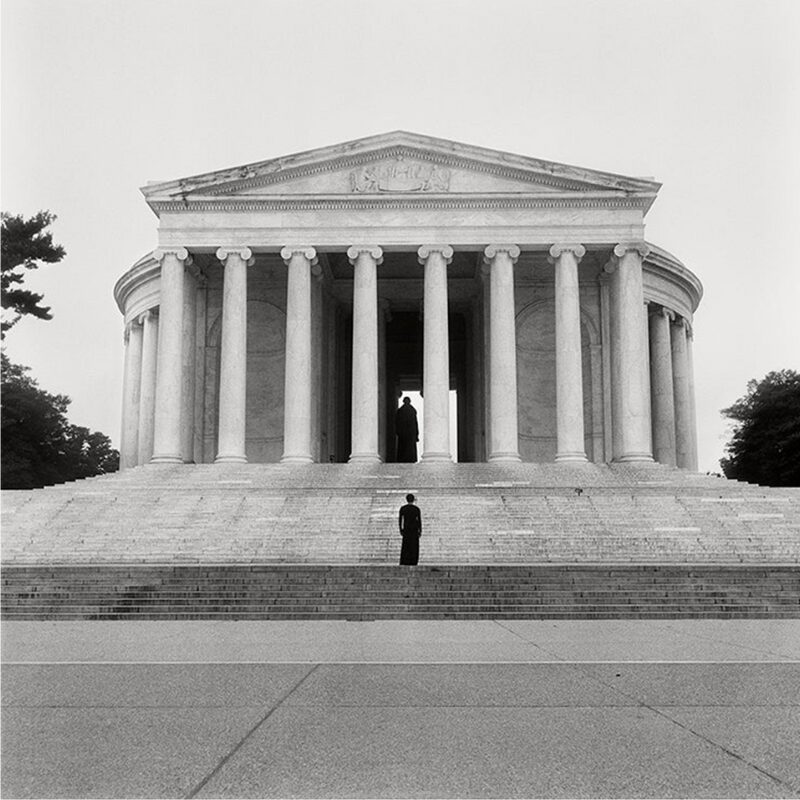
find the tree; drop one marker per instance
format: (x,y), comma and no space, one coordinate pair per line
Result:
(25,244)
(40,447)
(765,445)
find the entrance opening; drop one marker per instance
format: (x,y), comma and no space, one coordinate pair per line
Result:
(418,402)
(401,368)
(404,378)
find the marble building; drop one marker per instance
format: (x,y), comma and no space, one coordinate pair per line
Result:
(291,302)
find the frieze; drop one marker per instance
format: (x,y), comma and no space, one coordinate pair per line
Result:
(400,175)
(414,201)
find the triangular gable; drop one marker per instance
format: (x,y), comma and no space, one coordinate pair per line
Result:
(397,164)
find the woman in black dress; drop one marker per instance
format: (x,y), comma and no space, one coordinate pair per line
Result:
(410,521)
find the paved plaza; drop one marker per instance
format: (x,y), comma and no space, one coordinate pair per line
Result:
(692,708)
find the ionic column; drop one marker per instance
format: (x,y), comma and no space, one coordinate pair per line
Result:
(692,399)
(503,439)
(233,355)
(364,440)
(131,392)
(436,353)
(167,440)
(147,383)
(661,389)
(610,444)
(569,377)
(189,367)
(682,395)
(631,404)
(297,392)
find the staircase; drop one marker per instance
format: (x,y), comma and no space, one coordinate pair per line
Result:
(389,592)
(279,542)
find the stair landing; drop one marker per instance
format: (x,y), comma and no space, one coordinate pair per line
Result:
(347,514)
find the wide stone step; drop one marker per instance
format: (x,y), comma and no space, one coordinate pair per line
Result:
(457,592)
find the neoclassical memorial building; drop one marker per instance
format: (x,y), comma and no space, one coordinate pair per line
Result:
(291,302)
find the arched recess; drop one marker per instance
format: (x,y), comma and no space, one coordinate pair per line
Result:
(266,353)
(536,383)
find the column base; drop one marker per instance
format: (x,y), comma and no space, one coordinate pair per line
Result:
(365,458)
(437,457)
(631,457)
(507,457)
(576,457)
(166,459)
(298,459)
(230,460)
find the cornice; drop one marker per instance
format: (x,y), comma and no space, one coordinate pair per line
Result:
(143,271)
(427,202)
(663,260)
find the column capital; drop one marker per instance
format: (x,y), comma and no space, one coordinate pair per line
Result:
(642,248)
(151,313)
(373,250)
(181,253)
(662,311)
(245,253)
(309,253)
(578,250)
(679,322)
(424,252)
(492,250)
(682,322)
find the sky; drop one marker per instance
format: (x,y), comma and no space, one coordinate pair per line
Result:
(101,96)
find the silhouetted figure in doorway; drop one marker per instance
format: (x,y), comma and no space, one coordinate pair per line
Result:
(407,430)
(410,529)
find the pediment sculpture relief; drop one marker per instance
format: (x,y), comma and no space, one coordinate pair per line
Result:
(400,175)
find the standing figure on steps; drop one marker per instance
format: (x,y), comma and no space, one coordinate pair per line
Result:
(410,529)
(407,430)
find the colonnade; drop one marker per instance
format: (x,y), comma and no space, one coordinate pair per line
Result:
(672,389)
(159,382)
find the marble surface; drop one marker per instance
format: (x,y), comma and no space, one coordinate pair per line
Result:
(403,641)
(402,709)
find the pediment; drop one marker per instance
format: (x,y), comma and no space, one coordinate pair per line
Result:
(399,173)
(396,165)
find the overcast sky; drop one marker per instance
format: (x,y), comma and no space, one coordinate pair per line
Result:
(101,96)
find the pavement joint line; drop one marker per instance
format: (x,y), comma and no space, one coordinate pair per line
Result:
(528,641)
(562,661)
(782,783)
(677,723)
(426,705)
(707,638)
(224,760)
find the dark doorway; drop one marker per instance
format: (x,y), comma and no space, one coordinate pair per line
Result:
(404,372)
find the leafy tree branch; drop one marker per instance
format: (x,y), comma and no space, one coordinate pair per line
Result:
(24,245)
